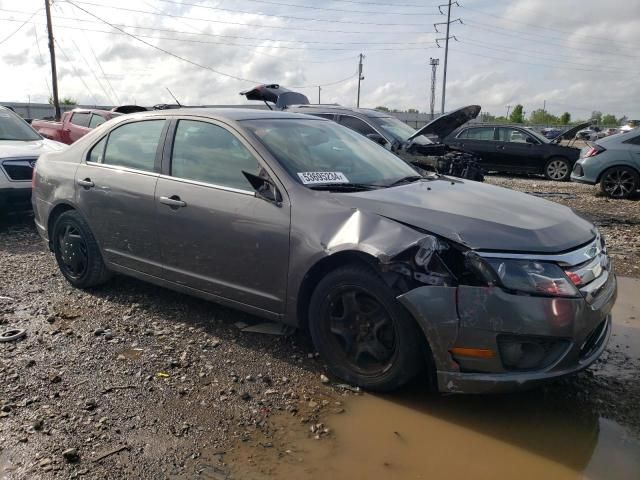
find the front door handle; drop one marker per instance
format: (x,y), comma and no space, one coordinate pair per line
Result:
(173,201)
(500,147)
(86,183)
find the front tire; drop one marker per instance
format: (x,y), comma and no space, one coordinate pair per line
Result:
(558,169)
(366,337)
(77,251)
(619,182)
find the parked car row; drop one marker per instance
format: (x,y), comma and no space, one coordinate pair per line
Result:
(297,219)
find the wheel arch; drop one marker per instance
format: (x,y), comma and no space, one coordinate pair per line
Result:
(617,165)
(55,213)
(321,268)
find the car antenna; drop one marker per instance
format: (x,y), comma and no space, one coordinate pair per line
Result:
(173,96)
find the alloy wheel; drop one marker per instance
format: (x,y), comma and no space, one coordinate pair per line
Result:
(73,251)
(360,330)
(557,170)
(619,183)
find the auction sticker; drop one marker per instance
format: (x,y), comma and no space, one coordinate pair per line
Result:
(322,177)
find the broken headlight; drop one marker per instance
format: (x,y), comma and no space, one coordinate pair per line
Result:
(528,276)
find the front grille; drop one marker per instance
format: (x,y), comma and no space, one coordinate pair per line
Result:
(594,340)
(19,169)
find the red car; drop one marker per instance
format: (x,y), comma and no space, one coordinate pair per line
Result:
(78,122)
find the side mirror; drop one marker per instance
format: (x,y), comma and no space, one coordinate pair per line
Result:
(376,137)
(265,188)
(530,140)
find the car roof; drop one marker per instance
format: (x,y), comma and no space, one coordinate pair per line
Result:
(234,114)
(367,112)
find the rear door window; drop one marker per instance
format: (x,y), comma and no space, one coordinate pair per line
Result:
(208,153)
(512,135)
(134,145)
(356,124)
(80,119)
(96,120)
(481,133)
(97,151)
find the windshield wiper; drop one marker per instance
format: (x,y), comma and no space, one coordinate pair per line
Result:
(407,179)
(344,186)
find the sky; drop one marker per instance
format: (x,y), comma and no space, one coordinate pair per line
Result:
(568,55)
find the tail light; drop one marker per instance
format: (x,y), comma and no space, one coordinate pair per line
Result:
(594,150)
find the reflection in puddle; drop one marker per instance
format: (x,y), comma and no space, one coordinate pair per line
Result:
(542,434)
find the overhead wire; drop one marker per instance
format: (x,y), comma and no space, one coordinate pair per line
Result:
(167,52)
(46,78)
(95,100)
(20,27)
(243,37)
(226,22)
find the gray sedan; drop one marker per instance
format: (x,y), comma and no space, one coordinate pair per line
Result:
(613,162)
(300,220)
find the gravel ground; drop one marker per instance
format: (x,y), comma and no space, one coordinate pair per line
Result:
(134,381)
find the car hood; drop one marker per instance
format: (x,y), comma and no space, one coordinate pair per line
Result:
(571,133)
(477,215)
(15,148)
(274,93)
(446,124)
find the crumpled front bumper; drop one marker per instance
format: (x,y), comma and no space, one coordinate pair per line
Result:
(467,316)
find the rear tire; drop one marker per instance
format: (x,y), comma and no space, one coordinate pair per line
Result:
(558,169)
(366,337)
(77,251)
(619,182)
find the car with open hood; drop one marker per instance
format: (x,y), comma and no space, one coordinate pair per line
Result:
(20,147)
(422,148)
(299,220)
(516,149)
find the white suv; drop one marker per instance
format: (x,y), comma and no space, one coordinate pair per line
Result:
(20,147)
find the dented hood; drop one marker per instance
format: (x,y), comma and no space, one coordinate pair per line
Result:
(445,124)
(477,215)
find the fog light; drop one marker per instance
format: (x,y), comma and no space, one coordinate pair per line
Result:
(529,353)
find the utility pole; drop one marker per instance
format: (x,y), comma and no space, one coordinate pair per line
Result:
(434,65)
(52,52)
(360,78)
(508,109)
(446,44)
(319,90)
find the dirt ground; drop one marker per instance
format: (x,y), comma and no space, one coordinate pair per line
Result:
(134,381)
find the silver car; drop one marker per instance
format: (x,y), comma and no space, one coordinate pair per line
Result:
(300,220)
(613,162)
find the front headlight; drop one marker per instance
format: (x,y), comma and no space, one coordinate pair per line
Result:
(533,277)
(528,276)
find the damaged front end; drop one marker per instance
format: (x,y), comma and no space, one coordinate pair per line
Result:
(501,324)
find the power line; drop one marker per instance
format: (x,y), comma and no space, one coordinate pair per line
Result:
(95,100)
(409,5)
(169,30)
(167,52)
(107,96)
(556,66)
(20,27)
(289,28)
(538,26)
(35,31)
(563,62)
(104,75)
(515,34)
(310,7)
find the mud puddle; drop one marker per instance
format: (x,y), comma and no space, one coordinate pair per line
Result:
(557,432)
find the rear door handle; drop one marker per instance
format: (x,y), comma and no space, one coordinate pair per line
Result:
(173,201)
(86,183)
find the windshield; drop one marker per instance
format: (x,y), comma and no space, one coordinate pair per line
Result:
(399,130)
(13,127)
(323,152)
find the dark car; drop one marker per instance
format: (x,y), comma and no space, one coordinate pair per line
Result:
(299,220)
(515,149)
(422,148)
(550,133)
